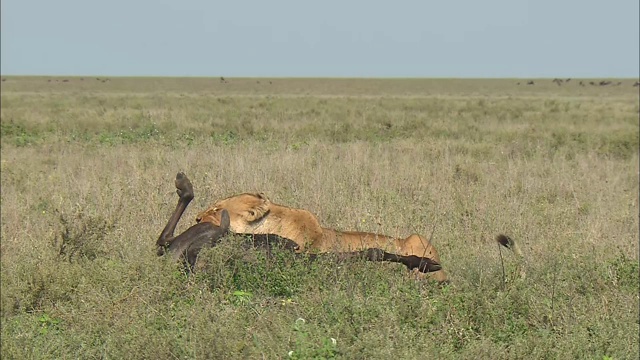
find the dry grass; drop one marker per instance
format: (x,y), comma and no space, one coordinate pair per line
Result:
(87,173)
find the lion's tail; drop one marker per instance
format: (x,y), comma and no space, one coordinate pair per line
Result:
(509,243)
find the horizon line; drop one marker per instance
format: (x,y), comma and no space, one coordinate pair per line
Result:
(323,77)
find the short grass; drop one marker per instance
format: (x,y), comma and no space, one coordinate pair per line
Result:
(87,172)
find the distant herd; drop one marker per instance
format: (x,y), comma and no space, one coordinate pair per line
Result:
(557,81)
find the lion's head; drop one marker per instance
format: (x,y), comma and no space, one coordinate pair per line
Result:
(243,209)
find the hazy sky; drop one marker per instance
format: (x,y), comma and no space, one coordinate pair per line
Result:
(349,38)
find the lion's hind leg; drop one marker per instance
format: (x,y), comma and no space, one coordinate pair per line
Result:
(416,245)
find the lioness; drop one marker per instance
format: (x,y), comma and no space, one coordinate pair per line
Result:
(255,213)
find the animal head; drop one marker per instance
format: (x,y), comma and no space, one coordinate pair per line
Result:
(243,210)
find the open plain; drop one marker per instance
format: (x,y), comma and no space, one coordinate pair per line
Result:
(87,169)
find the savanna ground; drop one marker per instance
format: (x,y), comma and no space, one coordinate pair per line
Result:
(87,185)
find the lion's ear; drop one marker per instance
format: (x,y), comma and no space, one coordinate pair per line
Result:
(260,210)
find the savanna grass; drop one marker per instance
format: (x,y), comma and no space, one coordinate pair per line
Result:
(87,185)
